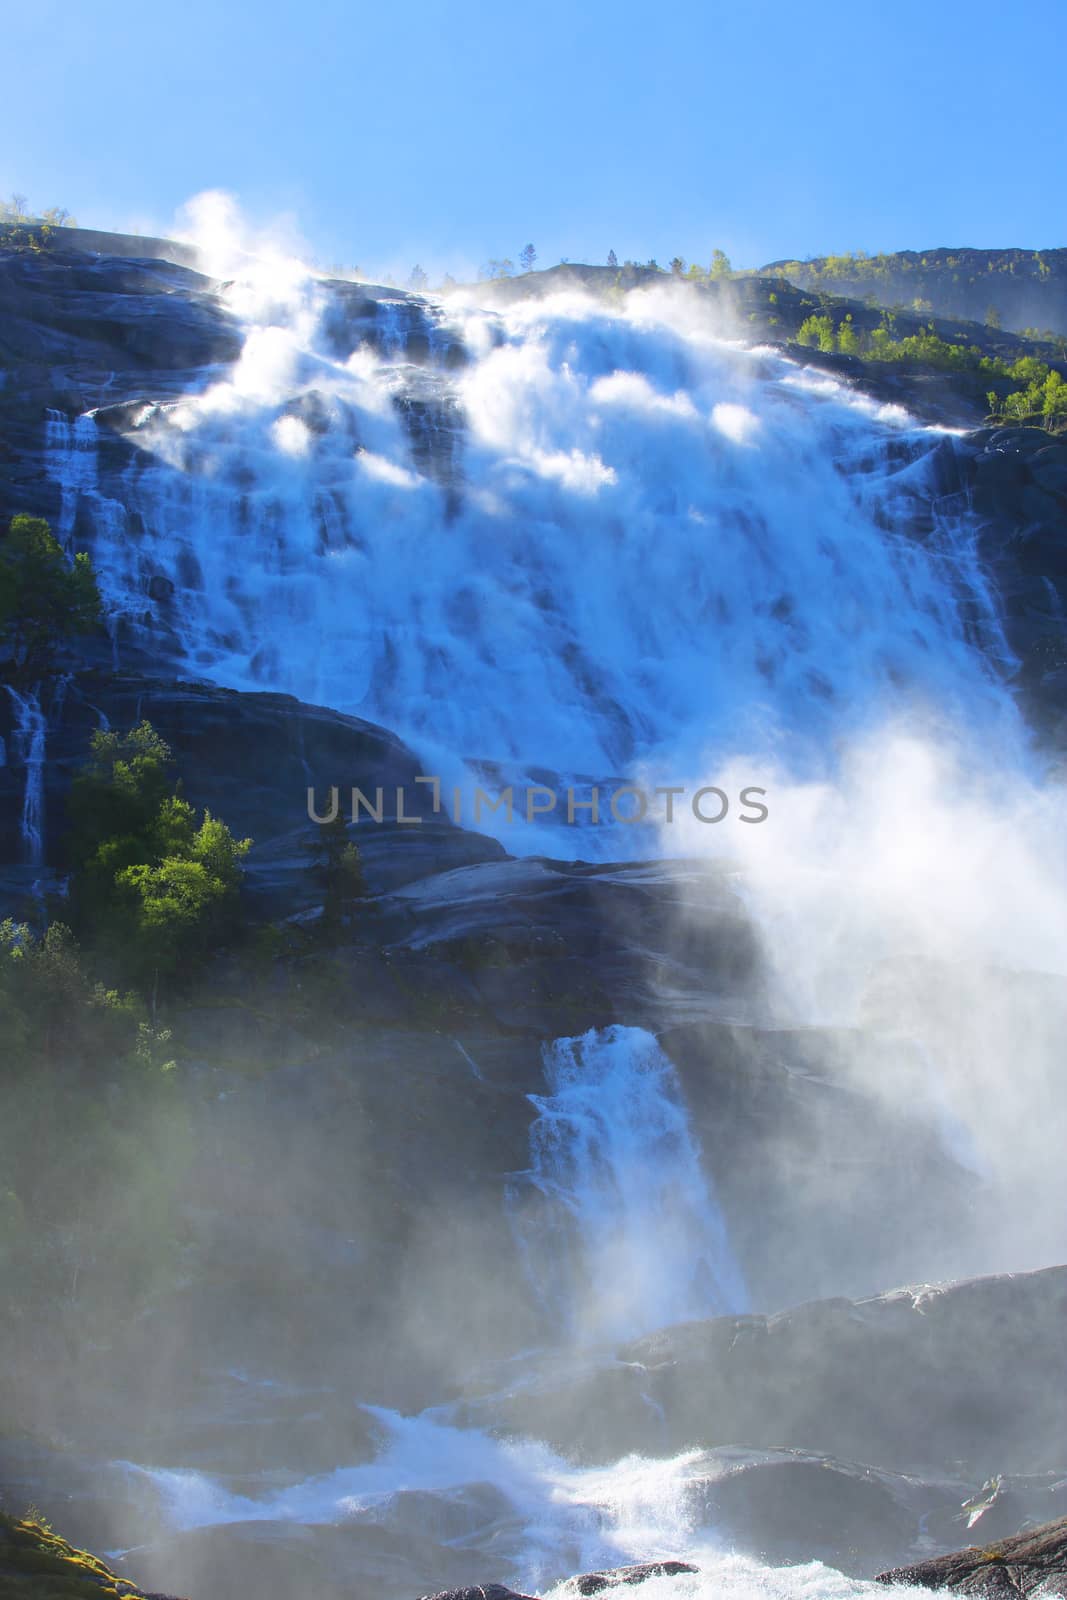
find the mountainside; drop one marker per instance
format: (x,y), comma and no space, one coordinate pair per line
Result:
(1016,289)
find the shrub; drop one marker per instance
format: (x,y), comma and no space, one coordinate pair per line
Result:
(44,598)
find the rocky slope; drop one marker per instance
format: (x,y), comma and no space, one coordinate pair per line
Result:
(1033,1562)
(1024,288)
(36,1562)
(971,1368)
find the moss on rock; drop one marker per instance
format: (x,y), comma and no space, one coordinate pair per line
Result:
(37,1563)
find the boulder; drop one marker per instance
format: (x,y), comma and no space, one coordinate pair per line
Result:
(588,1583)
(967,1379)
(1033,1562)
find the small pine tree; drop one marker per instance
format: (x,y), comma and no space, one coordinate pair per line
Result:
(527,257)
(417,279)
(613,260)
(338,871)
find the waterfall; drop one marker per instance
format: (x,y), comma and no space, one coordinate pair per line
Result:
(618,1222)
(28,751)
(607,538)
(71,451)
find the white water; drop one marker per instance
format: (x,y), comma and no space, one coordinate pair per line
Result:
(28,751)
(642,545)
(622,1232)
(557,1519)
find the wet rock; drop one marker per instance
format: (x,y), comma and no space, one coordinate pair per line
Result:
(1031,1563)
(486,1591)
(596,1582)
(977,1372)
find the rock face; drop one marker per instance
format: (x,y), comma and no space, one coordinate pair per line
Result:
(1016,481)
(976,1372)
(250,759)
(1032,1563)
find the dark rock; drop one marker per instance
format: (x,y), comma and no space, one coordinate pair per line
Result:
(788,1506)
(1031,1563)
(250,759)
(160,587)
(596,1582)
(486,1591)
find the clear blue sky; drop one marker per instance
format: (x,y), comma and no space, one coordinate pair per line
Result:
(449,133)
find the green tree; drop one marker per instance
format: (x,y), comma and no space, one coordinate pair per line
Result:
(50,1009)
(527,257)
(847,338)
(613,260)
(720,265)
(154,888)
(817,333)
(338,870)
(45,600)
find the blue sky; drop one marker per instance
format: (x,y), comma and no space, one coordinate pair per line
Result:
(449,133)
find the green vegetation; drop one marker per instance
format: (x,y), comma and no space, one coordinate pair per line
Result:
(35,1561)
(856,266)
(90,1082)
(51,1008)
(154,887)
(90,1093)
(24,229)
(16,211)
(1042,402)
(881,344)
(338,870)
(45,600)
(999,288)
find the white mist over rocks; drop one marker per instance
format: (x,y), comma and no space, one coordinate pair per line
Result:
(920,899)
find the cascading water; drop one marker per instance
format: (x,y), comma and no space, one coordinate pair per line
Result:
(597,539)
(611,539)
(28,751)
(626,1234)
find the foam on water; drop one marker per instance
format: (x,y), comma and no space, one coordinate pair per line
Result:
(566,1519)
